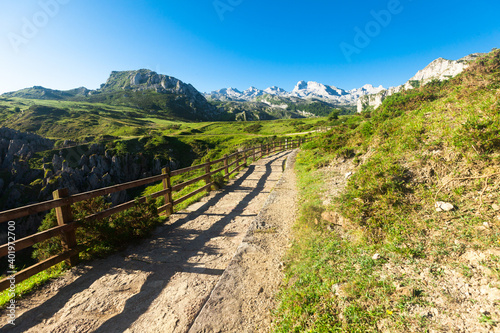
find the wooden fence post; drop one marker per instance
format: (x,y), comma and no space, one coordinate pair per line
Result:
(245,160)
(226,165)
(65,216)
(261,151)
(208,178)
(168,196)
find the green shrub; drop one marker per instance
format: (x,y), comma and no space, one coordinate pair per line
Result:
(98,238)
(253,128)
(395,105)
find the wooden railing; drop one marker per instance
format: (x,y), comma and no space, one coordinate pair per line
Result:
(62,202)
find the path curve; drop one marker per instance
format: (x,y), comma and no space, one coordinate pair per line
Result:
(166,283)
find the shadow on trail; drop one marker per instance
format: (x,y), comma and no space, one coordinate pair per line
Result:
(139,303)
(161,272)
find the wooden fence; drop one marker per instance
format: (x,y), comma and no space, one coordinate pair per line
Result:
(62,202)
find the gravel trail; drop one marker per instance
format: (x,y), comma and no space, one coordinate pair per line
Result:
(178,280)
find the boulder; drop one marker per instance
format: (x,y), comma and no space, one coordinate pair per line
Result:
(85,169)
(443,206)
(106,180)
(84,160)
(14,147)
(57,163)
(93,160)
(118,197)
(98,172)
(93,181)
(156,166)
(65,167)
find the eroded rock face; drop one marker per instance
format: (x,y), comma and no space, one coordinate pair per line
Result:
(19,144)
(15,149)
(78,171)
(440,69)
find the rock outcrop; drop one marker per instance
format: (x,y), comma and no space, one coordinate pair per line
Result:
(18,144)
(173,94)
(440,69)
(77,169)
(147,80)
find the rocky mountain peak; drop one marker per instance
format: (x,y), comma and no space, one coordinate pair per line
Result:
(301,85)
(440,69)
(309,90)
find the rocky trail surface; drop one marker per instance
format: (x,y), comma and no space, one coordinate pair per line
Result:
(212,268)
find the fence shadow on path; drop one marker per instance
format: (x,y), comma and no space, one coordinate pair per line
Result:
(160,273)
(139,303)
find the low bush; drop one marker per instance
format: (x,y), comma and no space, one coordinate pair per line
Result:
(98,238)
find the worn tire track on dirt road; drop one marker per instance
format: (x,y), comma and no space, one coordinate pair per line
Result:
(178,279)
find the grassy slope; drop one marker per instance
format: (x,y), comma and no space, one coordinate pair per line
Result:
(69,120)
(74,120)
(440,142)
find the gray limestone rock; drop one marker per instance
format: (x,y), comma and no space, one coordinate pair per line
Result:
(57,163)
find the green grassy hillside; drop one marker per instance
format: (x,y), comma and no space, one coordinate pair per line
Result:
(70,120)
(378,256)
(75,120)
(38,92)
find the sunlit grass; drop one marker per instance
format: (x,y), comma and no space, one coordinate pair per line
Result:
(27,286)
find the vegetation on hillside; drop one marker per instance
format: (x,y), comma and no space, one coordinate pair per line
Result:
(375,257)
(84,121)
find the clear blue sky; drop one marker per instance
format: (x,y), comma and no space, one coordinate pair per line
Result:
(242,43)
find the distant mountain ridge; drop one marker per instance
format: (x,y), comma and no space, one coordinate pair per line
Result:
(143,88)
(38,92)
(305,90)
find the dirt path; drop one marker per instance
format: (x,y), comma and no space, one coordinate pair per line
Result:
(244,296)
(166,284)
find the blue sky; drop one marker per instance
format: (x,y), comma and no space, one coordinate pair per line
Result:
(212,44)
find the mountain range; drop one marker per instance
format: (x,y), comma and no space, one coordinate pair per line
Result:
(364,97)
(143,89)
(305,90)
(166,97)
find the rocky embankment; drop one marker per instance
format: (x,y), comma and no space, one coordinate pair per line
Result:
(15,150)
(78,169)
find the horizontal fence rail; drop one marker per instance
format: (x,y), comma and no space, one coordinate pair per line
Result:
(229,165)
